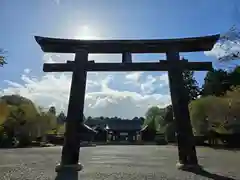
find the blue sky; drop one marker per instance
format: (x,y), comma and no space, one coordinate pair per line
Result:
(105,19)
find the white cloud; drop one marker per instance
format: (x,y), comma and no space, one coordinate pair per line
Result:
(147,87)
(227,46)
(134,76)
(27,71)
(224,51)
(164,78)
(101,98)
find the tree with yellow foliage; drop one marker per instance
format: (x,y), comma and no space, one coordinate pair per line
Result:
(4,111)
(220,114)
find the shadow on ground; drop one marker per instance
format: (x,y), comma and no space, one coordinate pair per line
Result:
(226,148)
(210,175)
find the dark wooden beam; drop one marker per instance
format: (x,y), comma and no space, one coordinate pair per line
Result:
(192,44)
(153,66)
(126,57)
(70,151)
(70,61)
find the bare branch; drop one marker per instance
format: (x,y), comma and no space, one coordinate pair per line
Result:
(229,45)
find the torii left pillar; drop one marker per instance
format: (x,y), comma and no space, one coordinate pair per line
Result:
(69,166)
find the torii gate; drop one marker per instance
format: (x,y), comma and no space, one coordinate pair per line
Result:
(80,66)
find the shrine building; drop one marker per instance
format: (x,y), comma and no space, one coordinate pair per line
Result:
(115,130)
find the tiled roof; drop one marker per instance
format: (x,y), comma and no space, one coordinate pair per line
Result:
(95,122)
(124,125)
(116,124)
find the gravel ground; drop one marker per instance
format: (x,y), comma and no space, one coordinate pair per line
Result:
(118,162)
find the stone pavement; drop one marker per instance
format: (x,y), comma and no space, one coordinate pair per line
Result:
(118,162)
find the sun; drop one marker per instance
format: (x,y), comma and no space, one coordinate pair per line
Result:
(85,28)
(86,32)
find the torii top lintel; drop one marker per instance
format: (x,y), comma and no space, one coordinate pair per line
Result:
(192,44)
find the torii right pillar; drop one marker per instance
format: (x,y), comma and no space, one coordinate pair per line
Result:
(185,138)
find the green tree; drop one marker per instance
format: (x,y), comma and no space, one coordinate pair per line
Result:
(52,110)
(44,123)
(234,77)
(154,117)
(2,58)
(89,118)
(162,120)
(191,85)
(169,125)
(61,118)
(199,114)
(4,111)
(220,114)
(216,83)
(168,115)
(170,131)
(14,121)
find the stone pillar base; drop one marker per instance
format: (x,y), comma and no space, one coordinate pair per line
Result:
(68,171)
(188,167)
(74,167)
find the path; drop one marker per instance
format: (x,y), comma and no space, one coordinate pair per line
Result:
(117,162)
